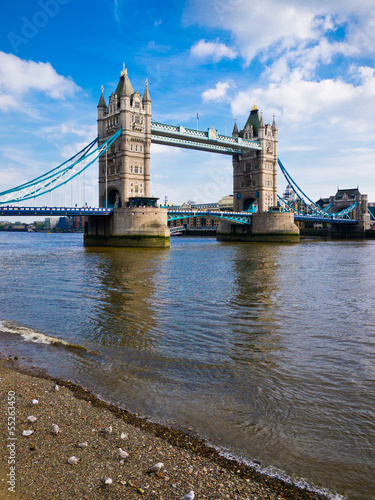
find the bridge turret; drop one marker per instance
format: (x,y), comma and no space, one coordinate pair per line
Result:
(235,129)
(262,127)
(146,95)
(255,172)
(102,111)
(102,104)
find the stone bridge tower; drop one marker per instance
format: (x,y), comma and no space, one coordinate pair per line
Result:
(255,172)
(124,175)
(124,171)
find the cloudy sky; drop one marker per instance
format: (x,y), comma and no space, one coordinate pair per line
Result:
(310,63)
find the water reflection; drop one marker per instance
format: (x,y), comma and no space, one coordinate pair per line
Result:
(267,350)
(126,283)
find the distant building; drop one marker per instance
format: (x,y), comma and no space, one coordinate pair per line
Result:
(226,203)
(51,222)
(289,195)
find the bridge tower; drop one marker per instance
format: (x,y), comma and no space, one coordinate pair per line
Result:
(124,172)
(255,172)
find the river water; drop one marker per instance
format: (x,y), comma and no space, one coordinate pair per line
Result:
(265,350)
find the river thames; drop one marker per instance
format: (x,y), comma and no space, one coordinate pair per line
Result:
(267,351)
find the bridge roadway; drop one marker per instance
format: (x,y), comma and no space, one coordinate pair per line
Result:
(173,214)
(52,211)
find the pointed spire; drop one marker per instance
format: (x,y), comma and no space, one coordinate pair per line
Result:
(235,129)
(124,87)
(274,128)
(102,103)
(261,123)
(146,95)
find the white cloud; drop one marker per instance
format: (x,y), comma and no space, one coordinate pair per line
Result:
(306,60)
(214,50)
(218,93)
(161,149)
(272,27)
(296,100)
(89,132)
(19,77)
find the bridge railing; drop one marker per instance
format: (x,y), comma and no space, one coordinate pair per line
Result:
(177,129)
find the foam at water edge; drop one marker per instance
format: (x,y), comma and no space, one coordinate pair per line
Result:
(31,335)
(271,471)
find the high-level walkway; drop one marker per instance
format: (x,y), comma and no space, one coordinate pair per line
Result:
(183,137)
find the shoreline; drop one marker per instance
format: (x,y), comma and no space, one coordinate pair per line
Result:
(190,463)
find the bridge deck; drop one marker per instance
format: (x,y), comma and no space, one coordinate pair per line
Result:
(173,214)
(52,211)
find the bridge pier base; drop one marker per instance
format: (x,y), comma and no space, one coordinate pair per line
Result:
(265,226)
(129,227)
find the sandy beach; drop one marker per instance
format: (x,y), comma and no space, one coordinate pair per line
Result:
(38,469)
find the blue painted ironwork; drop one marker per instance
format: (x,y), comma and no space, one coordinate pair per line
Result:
(346,211)
(173,135)
(58,176)
(332,219)
(298,215)
(53,211)
(311,206)
(239,217)
(372,212)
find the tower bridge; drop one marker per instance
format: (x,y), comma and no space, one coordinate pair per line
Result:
(128,215)
(124,171)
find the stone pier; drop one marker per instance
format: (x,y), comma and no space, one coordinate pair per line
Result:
(129,227)
(266,226)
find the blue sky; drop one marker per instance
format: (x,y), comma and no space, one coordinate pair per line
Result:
(310,63)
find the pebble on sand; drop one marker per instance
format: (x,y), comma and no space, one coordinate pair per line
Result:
(35,402)
(55,429)
(27,433)
(32,419)
(157,467)
(123,454)
(189,496)
(73,460)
